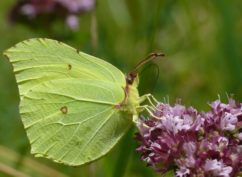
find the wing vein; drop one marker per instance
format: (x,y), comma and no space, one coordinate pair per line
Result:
(94,134)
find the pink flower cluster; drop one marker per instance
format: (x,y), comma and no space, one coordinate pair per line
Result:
(30,10)
(192,143)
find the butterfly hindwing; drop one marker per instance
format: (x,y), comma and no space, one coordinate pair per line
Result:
(67,101)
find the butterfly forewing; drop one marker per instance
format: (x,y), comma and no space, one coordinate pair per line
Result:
(38,60)
(67,101)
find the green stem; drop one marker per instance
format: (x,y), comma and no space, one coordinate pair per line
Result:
(11,171)
(126,148)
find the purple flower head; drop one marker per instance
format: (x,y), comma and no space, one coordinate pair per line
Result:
(240,136)
(73,22)
(34,12)
(76,6)
(228,121)
(183,171)
(193,143)
(217,168)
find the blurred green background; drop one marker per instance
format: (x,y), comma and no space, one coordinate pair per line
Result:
(202,41)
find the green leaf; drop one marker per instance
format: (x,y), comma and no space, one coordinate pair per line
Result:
(68,101)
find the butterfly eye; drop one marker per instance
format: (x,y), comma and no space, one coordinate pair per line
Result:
(130,78)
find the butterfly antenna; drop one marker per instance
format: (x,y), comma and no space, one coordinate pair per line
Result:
(132,75)
(149,58)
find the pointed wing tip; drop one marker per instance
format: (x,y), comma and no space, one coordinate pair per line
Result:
(6,53)
(28,41)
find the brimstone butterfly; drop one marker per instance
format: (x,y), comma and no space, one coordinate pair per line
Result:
(74,107)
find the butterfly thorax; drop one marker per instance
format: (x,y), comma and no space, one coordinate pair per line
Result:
(131,100)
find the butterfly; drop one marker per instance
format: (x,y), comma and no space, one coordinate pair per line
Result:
(74,107)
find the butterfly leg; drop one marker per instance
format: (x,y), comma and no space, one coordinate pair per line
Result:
(149,109)
(151,99)
(138,122)
(135,118)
